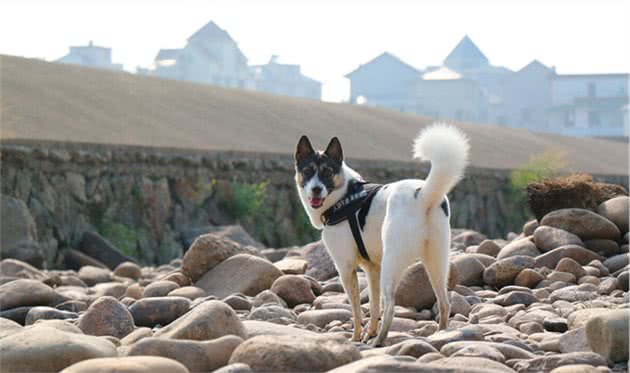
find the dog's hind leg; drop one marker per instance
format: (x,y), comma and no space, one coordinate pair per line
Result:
(398,254)
(437,267)
(373,272)
(351,286)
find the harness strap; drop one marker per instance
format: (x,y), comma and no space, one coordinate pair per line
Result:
(356,233)
(354,207)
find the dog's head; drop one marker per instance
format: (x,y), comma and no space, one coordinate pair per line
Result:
(318,173)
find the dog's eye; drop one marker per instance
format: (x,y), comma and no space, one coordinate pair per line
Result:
(326,172)
(308,172)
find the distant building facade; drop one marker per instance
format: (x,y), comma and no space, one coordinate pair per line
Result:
(589,105)
(467,87)
(211,56)
(385,81)
(525,98)
(91,56)
(286,80)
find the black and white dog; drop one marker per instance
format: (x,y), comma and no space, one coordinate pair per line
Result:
(384,229)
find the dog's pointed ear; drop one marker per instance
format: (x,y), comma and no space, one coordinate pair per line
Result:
(304,149)
(333,150)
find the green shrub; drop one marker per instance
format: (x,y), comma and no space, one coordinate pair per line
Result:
(246,199)
(121,236)
(539,166)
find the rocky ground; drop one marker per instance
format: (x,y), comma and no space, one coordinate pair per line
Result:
(552,298)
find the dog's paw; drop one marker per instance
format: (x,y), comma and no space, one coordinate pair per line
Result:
(367,334)
(375,343)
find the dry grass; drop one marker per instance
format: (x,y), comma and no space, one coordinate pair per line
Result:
(46,101)
(572,191)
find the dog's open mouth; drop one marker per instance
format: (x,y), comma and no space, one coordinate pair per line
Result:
(316,202)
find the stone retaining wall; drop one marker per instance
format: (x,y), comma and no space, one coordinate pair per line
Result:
(147,199)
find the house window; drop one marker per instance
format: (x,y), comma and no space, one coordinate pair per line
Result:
(594,119)
(591,90)
(569,119)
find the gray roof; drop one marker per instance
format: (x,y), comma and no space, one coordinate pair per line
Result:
(167,54)
(465,51)
(388,57)
(211,31)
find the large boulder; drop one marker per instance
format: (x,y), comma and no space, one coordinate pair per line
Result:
(8,327)
(549,238)
(504,271)
(415,288)
(466,238)
(294,290)
(241,273)
(580,254)
(471,364)
(523,246)
(93,275)
(400,364)
(607,334)
(321,318)
(197,356)
(158,310)
(320,264)
(209,320)
(207,252)
(131,364)
(255,328)
(107,316)
(616,210)
(295,353)
(617,262)
(583,223)
(159,288)
(23,292)
(99,248)
(47,349)
(549,362)
(18,233)
(18,268)
(47,313)
(469,269)
(235,233)
(129,270)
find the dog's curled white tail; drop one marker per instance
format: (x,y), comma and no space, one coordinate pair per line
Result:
(447,148)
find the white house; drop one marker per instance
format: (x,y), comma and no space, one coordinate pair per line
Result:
(210,56)
(284,79)
(444,93)
(470,62)
(91,56)
(589,104)
(385,81)
(468,87)
(525,98)
(460,89)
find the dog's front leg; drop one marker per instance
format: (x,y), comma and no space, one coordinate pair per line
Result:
(374,276)
(351,286)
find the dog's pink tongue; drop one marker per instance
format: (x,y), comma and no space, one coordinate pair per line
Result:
(316,202)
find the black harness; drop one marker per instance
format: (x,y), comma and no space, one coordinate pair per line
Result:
(354,207)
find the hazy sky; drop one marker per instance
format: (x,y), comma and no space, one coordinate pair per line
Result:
(331,38)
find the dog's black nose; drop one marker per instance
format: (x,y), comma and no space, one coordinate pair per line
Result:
(316,190)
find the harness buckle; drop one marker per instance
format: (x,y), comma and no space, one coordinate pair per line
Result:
(323,219)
